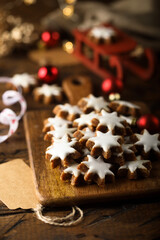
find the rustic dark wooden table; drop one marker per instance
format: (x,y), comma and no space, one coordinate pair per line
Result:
(136,219)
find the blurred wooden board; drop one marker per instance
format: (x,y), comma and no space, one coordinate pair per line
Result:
(56,56)
(52,191)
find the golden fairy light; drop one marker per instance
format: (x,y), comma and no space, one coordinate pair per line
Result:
(68,47)
(29,2)
(114,96)
(16,32)
(70,1)
(68,11)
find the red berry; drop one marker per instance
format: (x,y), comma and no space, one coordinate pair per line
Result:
(112,85)
(50,38)
(48,74)
(149,122)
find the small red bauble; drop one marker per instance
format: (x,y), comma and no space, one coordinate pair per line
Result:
(150,122)
(50,38)
(48,74)
(112,86)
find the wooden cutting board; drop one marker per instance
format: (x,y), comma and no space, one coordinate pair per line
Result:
(52,191)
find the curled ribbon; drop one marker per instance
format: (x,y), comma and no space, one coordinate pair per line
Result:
(8,116)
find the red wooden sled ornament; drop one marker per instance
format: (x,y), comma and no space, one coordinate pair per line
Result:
(117,54)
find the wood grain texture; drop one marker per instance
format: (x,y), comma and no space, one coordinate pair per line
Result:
(101,222)
(52,191)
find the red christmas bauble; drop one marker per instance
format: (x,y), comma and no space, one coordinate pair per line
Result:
(112,86)
(149,122)
(50,38)
(48,74)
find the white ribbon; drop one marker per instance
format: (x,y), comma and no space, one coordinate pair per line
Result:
(8,116)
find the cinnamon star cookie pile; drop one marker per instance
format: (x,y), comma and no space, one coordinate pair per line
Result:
(95,142)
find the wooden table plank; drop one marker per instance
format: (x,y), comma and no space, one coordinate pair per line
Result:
(100,222)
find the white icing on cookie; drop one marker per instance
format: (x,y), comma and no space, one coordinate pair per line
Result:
(61,148)
(127,139)
(98,103)
(70,108)
(87,133)
(85,152)
(133,165)
(73,170)
(118,154)
(105,140)
(49,90)
(57,122)
(59,132)
(126,148)
(129,119)
(102,32)
(127,104)
(98,166)
(148,141)
(86,119)
(110,120)
(23,80)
